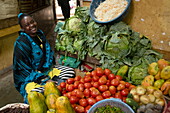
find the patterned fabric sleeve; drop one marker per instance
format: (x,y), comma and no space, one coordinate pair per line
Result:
(22,68)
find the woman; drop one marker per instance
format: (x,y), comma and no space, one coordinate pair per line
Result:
(33,58)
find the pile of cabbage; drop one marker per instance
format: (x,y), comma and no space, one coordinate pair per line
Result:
(114,45)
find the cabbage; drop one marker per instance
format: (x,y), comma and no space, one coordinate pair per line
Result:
(74,24)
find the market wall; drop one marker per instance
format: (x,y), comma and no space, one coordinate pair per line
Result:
(152,19)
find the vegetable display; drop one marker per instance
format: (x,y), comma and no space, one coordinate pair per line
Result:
(113,45)
(108,109)
(83,92)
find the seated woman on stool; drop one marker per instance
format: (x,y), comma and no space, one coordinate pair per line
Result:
(33,59)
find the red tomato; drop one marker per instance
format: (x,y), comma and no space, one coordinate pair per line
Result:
(76,83)
(122,82)
(131,87)
(91,101)
(70,81)
(127,84)
(88,74)
(118,77)
(102,80)
(106,94)
(82,80)
(120,87)
(87,108)
(81,87)
(79,94)
(93,73)
(95,78)
(77,78)
(103,88)
(87,85)
(115,82)
(68,94)
(108,83)
(124,92)
(79,109)
(70,87)
(87,79)
(59,88)
(87,92)
(83,102)
(112,90)
(64,92)
(99,71)
(73,99)
(111,76)
(118,95)
(96,84)
(63,85)
(107,72)
(98,98)
(94,92)
(124,99)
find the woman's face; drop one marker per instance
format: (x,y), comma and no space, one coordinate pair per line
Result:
(29,25)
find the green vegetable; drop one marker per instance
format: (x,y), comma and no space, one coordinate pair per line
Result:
(108,109)
(123,71)
(132,103)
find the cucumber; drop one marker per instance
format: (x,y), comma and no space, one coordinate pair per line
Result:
(132,103)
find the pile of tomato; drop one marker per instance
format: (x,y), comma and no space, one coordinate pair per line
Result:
(97,85)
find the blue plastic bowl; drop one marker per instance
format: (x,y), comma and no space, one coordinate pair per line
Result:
(95,3)
(112,102)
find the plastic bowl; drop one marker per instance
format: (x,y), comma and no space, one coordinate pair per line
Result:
(112,102)
(95,3)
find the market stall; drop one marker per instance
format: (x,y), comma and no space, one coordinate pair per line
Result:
(119,71)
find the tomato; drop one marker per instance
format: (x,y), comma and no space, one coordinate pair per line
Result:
(63,85)
(88,74)
(73,99)
(68,94)
(103,88)
(95,78)
(87,92)
(102,80)
(87,108)
(111,76)
(127,84)
(87,79)
(96,84)
(79,109)
(118,77)
(94,92)
(87,85)
(108,83)
(81,87)
(91,101)
(77,78)
(99,71)
(76,83)
(122,82)
(79,94)
(93,73)
(82,80)
(59,88)
(112,90)
(107,72)
(106,94)
(120,87)
(124,99)
(124,92)
(64,92)
(70,81)
(70,87)
(131,87)
(118,95)
(98,98)
(115,82)
(83,102)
